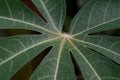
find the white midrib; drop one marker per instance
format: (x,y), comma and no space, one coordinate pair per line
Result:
(103,48)
(96,26)
(85,42)
(58,59)
(20,21)
(84,59)
(28,49)
(51,20)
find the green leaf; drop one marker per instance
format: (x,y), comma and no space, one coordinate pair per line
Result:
(106,45)
(53,11)
(82,2)
(97,56)
(15,15)
(57,65)
(97,15)
(95,66)
(16,51)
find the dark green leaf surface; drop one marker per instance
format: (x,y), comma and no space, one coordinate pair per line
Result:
(106,45)
(14,15)
(97,56)
(95,66)
(97,15)
(53,11)
(56,63)
(16,51)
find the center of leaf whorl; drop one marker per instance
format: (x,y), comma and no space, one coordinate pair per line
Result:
(66,36)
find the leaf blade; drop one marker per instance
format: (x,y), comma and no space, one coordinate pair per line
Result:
(97,15)
(21,48)
(49,9)
(15,15)
(99,63)
(57,65)
(106,45)
(85,59)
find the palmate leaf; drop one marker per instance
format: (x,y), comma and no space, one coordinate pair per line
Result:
(97,56)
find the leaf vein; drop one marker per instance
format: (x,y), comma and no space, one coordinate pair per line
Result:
(115,19)
(20,21)
(50,40)
(89,19)
(106,10)
(84,59)
(49,16)
(9,8)
(58,59)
